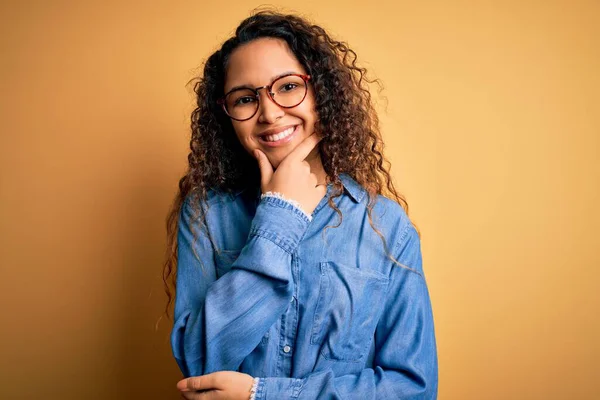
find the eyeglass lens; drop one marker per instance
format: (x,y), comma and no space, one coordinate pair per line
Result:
(288,91)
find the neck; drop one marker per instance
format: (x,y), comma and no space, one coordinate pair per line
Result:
(316,166)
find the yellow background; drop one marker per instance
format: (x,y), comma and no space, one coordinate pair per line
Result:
(492,127)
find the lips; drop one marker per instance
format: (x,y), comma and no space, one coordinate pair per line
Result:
(278,136)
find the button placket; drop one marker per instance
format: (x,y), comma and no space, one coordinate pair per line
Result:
(291,316)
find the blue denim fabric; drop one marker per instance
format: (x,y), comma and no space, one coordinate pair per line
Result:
(316,314)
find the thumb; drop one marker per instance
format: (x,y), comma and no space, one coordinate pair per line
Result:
(266,170)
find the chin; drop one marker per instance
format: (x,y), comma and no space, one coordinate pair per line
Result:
(275,158)
(275,162)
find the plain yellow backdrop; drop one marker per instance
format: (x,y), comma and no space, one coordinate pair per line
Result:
(491,116)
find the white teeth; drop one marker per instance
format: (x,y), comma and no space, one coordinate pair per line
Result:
(280,135)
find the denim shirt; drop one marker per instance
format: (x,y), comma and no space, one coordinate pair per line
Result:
(314,313)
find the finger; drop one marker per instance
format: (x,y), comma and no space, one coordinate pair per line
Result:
(303,149)
(188,395)
(266,169)
(207,395)
(195,383)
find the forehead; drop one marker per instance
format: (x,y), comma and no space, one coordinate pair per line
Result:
(256,63)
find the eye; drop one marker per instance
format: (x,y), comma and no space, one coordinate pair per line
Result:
(244,100)
(288,87)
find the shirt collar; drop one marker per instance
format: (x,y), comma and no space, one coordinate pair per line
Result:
(356,191)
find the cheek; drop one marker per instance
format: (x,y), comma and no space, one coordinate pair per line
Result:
(245,137)
(309,115)
(308,109)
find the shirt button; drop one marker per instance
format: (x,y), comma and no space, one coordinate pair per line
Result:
(286,349)
(292,300)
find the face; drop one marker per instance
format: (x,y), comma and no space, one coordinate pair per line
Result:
(274,130)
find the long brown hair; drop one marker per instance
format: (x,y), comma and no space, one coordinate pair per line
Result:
(348,122)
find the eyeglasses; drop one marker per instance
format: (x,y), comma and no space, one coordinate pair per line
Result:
(287,91)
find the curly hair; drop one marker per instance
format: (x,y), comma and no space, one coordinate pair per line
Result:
(347,120)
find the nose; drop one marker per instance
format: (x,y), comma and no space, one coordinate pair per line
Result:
(268,111)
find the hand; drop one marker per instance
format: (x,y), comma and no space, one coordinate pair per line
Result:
(222,385)
(293,178)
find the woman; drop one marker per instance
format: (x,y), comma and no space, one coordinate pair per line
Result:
(296,277)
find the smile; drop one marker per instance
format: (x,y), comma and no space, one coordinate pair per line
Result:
(280,138)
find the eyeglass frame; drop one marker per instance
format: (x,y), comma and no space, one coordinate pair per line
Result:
(270,94)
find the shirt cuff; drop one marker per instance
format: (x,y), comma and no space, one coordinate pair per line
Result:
(254,389)
(292,202)
(278,388)
(279,222)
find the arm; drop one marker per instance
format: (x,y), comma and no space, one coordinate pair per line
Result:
(219,322)
(405,363)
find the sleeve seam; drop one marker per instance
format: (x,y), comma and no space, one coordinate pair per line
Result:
(398,246)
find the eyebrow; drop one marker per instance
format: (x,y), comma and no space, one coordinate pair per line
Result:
(248,86)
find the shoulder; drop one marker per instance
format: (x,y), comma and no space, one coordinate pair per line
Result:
(391,217)
(387,208)
(214,198)
(387,214)
(223,215)
(215,202)
(402,235)
(383,207)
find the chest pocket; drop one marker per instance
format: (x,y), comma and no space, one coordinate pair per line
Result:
(347,311)
(224,260)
